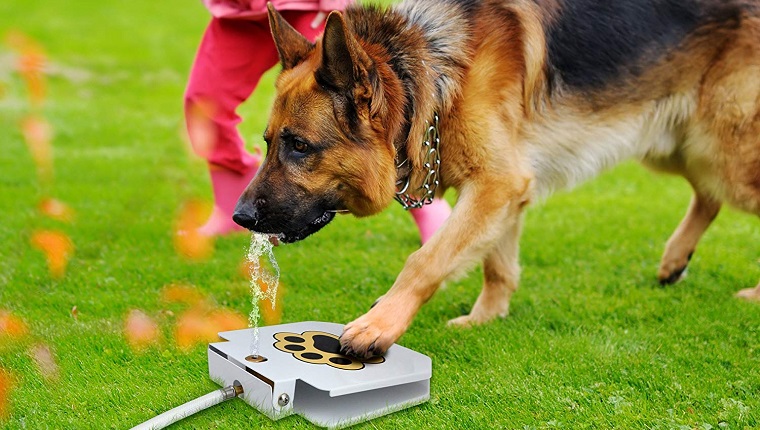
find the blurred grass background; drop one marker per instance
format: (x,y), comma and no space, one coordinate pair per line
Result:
(592,341)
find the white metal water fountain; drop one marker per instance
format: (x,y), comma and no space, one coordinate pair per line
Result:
(299,370)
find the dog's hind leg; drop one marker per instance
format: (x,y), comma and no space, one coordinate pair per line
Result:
(680,247)
(501,273)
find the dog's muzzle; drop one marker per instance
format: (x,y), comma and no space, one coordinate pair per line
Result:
(286,225)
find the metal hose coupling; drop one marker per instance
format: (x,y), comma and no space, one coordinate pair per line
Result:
(232,391)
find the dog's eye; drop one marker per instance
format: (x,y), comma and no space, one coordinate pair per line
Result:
(300,146)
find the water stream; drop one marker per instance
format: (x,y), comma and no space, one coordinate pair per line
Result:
(259,275)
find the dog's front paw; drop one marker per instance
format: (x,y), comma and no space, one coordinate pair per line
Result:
(484,310)
(370,335)
(475,318)
(463,321)
(673,268)
(752,294)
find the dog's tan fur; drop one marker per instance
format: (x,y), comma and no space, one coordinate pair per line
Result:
(510,135)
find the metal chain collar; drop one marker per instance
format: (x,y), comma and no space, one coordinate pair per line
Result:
(432,163)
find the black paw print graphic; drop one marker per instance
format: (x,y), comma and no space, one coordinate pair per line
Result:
(317,347)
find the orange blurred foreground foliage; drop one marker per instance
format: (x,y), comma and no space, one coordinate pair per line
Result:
(38,134)
(183,293)
(30,64)
(57,248)
(201,327)
(188,241)
(11,325)
(140,330)
(202,321)
(56,209)
(200,127)
(269,313)
(6,386)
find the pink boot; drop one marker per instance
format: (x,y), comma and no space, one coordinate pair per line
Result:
(431,217)
(227,186)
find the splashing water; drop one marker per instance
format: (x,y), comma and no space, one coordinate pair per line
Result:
(261,245)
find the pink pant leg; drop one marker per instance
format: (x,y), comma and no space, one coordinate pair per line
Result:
(301,21)
(232,57)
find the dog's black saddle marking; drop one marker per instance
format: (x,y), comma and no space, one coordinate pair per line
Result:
(593,43)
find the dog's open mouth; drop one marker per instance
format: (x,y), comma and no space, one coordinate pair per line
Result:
(309,229)
(303,233)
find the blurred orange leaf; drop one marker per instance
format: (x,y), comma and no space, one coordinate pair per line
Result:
(38,135)
(193,328)
(188,241)
(56,210)
(75,313)
(31,63)
(6,386)
(198,327)
(140,330)
(11,325)
(226,320)
(57,248)
(46,362)
(271,312)
(182,293)
(245,268)
(200,127)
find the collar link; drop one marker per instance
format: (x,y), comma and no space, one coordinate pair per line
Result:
(425,193)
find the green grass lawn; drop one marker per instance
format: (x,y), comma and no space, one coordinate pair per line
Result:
(592,340)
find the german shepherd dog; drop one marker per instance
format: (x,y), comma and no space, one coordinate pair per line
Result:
(524,97)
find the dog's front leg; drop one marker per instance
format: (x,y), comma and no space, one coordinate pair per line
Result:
(486,210)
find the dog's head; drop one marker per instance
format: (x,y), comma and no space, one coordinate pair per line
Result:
(329,146)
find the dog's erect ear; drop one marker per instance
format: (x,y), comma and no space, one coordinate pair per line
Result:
(292,46)
(345,64)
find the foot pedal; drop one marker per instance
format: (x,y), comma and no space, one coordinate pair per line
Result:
(300,370)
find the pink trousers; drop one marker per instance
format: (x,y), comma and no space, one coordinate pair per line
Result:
(232,57)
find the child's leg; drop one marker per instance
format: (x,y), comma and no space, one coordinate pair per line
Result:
(231,59)
(430,218)
(301,21)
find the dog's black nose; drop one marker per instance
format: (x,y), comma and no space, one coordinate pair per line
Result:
(243,219)
(246,213)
